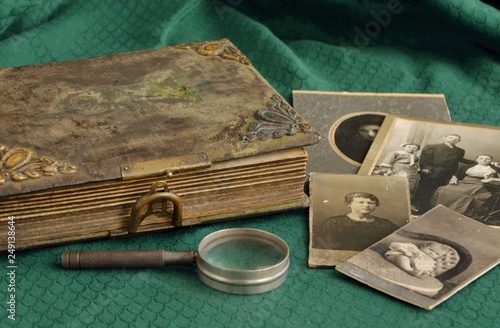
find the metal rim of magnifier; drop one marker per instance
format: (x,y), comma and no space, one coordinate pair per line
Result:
(237,281)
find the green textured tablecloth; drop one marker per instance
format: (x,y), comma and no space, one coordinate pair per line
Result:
(441,46)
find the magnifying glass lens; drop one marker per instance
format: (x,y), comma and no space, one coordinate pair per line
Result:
(245,253)
(243,261)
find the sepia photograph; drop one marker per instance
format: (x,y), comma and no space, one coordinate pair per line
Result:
(349,213)
(352,135)
(450,164)
(425,262)
(349,121)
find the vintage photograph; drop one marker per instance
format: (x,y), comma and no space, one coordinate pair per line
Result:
(352,135)
(349,213)
(425,262)
(450,164)
(348,122)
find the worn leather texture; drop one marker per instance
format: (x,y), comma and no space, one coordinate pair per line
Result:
(439,46)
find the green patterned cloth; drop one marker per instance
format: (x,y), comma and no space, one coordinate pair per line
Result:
(428,46)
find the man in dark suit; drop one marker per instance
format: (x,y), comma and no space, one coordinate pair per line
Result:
(438,162)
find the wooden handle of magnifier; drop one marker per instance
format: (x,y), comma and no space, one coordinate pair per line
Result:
(125,259)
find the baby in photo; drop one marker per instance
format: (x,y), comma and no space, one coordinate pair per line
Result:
(431,259)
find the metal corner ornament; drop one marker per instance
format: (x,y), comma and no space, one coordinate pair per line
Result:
(275,121)
(222,48)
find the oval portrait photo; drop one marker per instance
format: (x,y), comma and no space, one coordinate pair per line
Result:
(352,135)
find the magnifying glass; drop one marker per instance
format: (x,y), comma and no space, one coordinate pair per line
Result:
(236,261)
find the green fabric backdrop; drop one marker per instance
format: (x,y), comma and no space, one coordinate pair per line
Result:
(440,46)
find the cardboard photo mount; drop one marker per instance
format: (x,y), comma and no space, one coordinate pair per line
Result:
(145,141)
(469,249)
(333,238)
(482,200)
(336,115)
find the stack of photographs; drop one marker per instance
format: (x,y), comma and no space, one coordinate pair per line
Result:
(418,216)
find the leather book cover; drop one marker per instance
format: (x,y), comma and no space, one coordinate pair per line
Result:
(77,135)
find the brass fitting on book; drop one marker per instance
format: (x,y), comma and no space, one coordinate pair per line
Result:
(138,215)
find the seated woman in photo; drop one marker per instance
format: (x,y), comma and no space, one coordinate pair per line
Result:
(467,192)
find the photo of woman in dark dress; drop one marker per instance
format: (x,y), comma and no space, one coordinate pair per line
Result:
(358,229)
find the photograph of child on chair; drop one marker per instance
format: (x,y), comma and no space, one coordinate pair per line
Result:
(450,164)
(425,262)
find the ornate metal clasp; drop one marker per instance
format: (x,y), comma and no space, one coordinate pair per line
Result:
(153,197)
